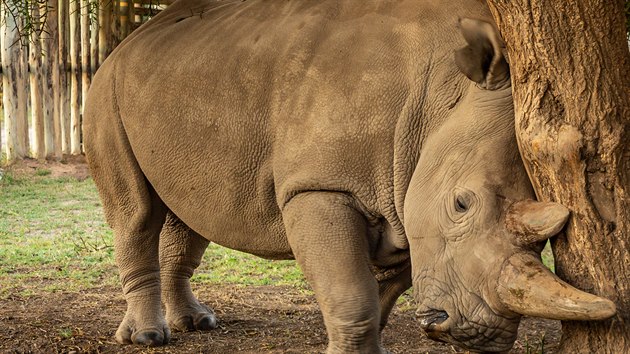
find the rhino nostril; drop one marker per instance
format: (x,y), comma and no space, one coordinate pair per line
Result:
(431,319)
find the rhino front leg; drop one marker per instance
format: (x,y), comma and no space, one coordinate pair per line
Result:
(181,250)
(390,290)
(329,239)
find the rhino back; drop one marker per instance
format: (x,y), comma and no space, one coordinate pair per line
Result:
(233,107)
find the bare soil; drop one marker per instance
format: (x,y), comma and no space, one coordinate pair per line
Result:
(252,319)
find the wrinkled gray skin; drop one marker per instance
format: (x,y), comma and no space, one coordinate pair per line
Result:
(344,134)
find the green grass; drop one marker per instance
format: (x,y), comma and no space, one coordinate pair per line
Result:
(53,237)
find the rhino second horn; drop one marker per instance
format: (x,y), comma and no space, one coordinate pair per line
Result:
(532,221)
(527,287)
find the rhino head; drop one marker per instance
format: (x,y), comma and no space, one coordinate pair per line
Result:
(474,230)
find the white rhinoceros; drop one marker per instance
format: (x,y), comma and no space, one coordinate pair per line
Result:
(354,136)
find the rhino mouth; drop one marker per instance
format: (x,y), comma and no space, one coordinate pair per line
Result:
(475,337)
(431,321)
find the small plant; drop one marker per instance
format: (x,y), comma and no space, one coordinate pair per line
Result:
(538,349)
(42,172)
(65,333)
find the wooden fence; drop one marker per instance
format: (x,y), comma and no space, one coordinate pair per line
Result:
(45,77)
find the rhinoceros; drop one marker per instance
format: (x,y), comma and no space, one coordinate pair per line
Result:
(371,140)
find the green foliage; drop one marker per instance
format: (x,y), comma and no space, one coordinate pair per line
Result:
(53,237)
(29,15)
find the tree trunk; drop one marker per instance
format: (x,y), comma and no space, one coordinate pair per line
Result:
(64,97)
(94,32)
(75,79)
(52,126)
(13,88)
(85,53)
(124,18)
(104,30)
(116,35)
(570,69)
(36,87)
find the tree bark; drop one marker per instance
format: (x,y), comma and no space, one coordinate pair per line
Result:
(75,79)
(124,18)
(570,68)
(52,124)
(94,32)
(104,30)
(64,97)
(36,87)
(85,53)
(13,88)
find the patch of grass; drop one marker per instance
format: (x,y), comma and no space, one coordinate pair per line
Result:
(42,172)
(66,333)
(44,225)
(221,265)
(53,237)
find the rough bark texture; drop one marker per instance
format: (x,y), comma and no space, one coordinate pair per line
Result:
(36,86)
(104,30)
(64,97)
(570,69)
(93,45)
(14,94)
(75,79)
(85,53)
(50,42)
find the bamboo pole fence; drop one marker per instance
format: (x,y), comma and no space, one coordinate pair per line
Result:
(47,66)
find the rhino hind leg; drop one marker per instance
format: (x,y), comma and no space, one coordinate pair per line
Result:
(133,210)
(181,250)
(135,213)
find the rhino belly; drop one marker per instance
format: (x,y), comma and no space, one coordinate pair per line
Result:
(213,171)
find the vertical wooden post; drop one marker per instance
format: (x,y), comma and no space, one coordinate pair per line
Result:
(51,84)
(115,24)
(137,5)
(124,18)
(75,73)
(132,15)
(64,101)
(94,32)
(13,88)
(23,136)
(35,75)
(85,53)
(104,30)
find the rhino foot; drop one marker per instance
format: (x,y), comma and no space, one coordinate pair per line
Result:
(129,333)
(195,318)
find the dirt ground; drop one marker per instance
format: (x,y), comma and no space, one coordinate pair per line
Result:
(252,319)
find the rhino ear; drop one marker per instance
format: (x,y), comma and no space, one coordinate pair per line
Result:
(482,59)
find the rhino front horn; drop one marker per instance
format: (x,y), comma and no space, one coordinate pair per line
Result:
(527,287)
(532,221)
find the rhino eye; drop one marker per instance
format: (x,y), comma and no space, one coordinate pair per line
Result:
(461,205)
